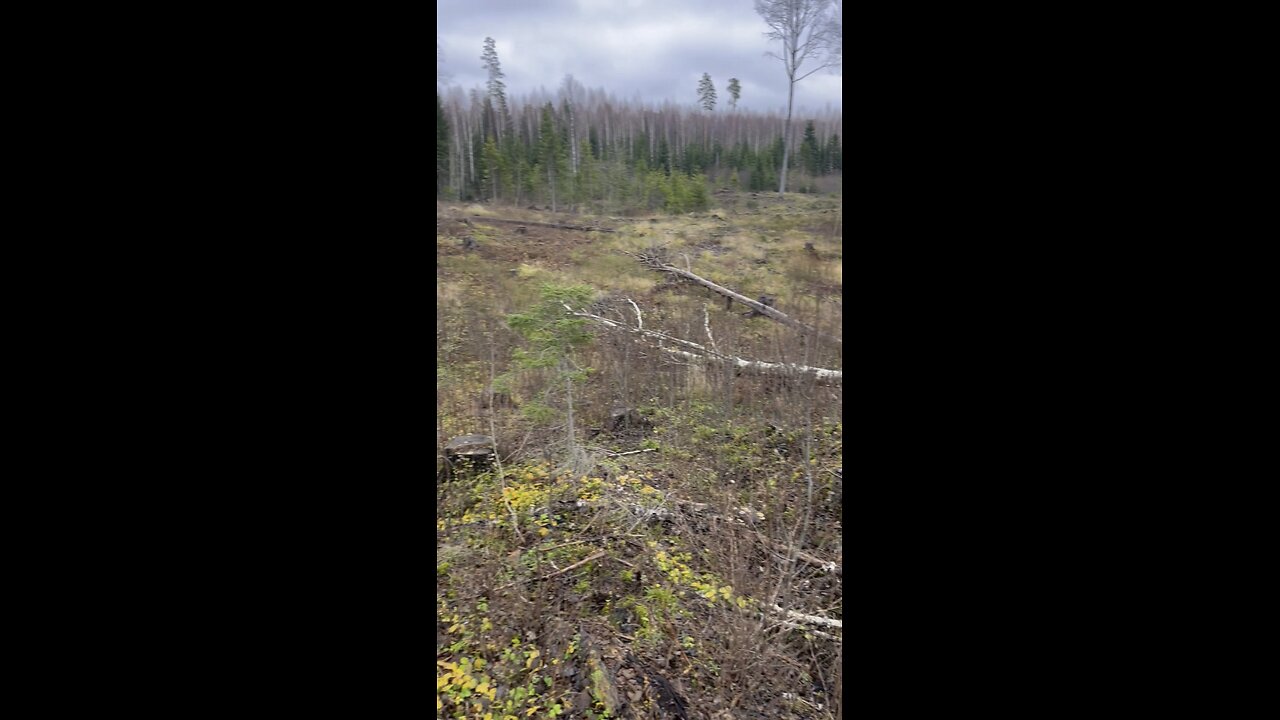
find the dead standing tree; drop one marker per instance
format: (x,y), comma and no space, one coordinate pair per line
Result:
(806,33)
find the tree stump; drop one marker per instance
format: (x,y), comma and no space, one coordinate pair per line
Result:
(468,454)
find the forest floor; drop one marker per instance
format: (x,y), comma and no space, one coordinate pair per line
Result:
(692,568)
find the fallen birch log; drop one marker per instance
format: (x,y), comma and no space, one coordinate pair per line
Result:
(756,367)
(703,354)
(811,631)
(810,619)
(759,307)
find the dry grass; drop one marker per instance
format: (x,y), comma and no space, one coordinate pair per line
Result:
(720,441)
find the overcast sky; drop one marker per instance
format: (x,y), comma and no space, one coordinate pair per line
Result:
(654,49)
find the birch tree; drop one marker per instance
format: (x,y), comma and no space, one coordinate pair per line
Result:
(806,32)
(837,30)
(442,148)
(440,74)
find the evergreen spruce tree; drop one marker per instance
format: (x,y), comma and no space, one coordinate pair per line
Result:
(809,152)
(442,148)
(834,163)
(707,93)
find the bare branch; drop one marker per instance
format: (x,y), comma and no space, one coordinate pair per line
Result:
(706,324)
(580,563)
(647,333)
(630,452)
(820,67)
(639,317)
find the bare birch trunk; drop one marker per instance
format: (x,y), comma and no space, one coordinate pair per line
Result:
(786,135)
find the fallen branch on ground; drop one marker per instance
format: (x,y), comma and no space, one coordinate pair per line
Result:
(584,561)
(744,515)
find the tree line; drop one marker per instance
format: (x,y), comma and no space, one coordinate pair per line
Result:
(585,149)
(615,156)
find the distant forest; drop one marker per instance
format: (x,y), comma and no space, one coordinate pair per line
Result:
(584,150)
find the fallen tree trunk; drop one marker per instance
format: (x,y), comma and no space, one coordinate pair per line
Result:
(756,367)
(559,226)
(703,354)
(757,306)
(811,631)
(810,619)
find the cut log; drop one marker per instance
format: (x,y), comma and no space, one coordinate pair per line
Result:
(473,453)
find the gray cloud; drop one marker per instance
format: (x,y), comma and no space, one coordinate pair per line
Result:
(655,50)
